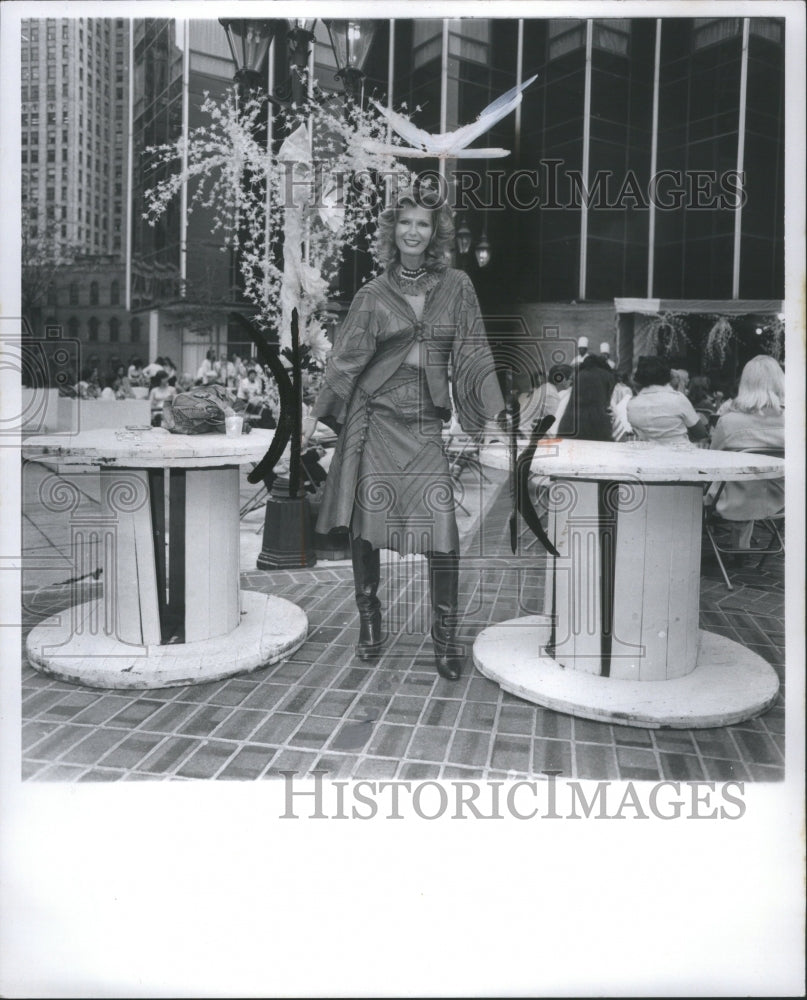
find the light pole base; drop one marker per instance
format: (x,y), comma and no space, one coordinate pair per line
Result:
(288,532)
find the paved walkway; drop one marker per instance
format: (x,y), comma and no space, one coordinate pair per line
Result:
(323,709)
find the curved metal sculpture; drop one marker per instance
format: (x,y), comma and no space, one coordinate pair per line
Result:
(285,420)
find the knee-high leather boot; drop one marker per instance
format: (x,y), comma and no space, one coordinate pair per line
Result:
(366,577)
(444,571)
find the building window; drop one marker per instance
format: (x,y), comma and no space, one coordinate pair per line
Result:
(53,295)
(771,28)
(114,293)
(93,329)
(134,330)
(713,30)
(114,330)
(94,293)
(73,293)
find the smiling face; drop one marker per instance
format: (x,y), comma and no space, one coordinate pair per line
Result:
(413,233)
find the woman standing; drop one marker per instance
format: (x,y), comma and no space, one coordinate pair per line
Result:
(386,392)
(587,413)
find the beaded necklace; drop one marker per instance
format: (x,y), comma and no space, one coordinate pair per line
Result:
(414,281)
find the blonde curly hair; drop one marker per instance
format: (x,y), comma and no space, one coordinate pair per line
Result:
(437,253)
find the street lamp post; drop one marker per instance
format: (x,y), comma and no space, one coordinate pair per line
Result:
(287,535)
(249,40)
(288,529)
(350,41)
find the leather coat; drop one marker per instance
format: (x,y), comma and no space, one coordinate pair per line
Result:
(378,332)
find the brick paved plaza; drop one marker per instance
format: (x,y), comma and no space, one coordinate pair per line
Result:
(322,709)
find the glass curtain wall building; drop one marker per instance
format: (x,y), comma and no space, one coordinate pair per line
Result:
(647,159)
(179,280)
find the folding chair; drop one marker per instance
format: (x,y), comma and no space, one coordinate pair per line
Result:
(717,526)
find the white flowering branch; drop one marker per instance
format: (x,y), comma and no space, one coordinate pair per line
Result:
(291,212)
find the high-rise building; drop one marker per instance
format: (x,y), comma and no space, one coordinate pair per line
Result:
(75,93)
(74,188)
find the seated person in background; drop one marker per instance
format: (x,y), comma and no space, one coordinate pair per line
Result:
(755,419)
(658,412)
(171,368)
(121,384)
(700,394)
(528,398)
(108,392)
(89,386)
(239,367)
(250,387)
(620,425)
(554,394)
(729,396)
(135,372)
(679,380)
(587,413)
(160,392)
(156,366)
(226,372)
(207,372)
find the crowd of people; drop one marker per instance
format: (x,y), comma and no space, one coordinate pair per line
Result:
(160,380)
(591,400)
(660,404)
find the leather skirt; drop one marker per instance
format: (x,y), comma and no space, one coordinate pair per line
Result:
(388,480)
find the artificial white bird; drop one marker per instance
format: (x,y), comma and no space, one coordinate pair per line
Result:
(445,145)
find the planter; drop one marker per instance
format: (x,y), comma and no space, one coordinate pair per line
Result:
(288,530)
